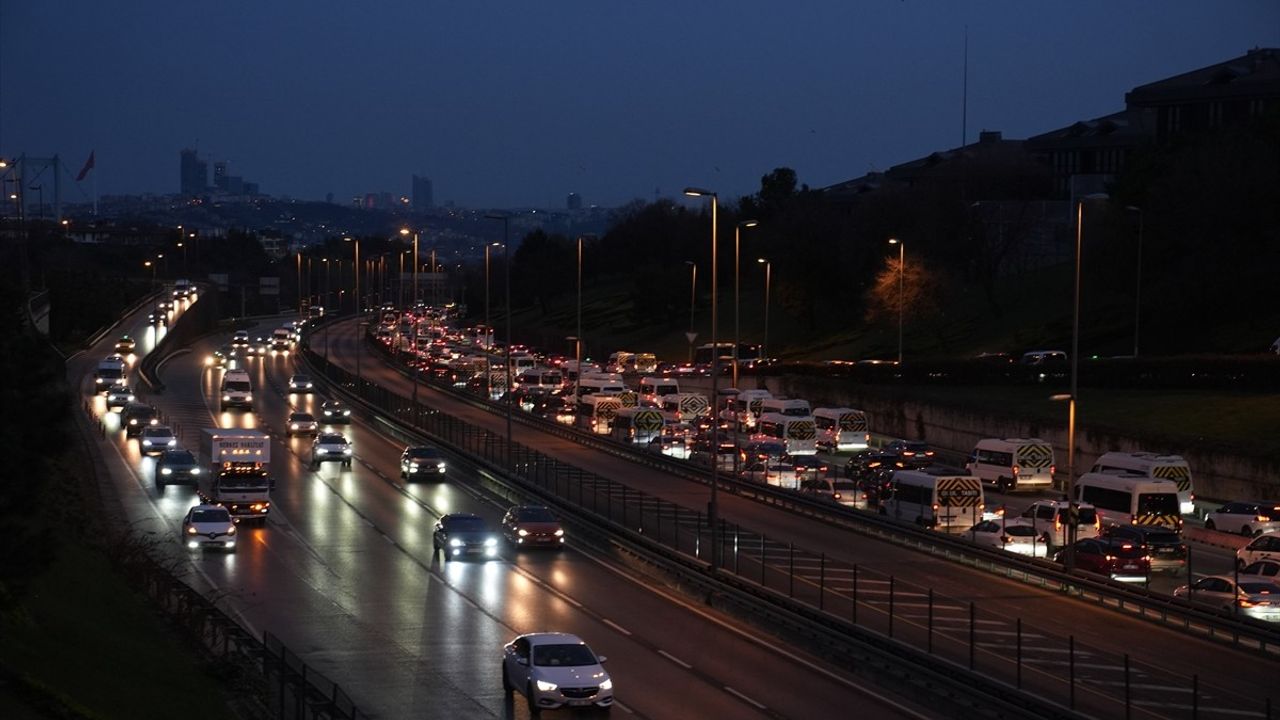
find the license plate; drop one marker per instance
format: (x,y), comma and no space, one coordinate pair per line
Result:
(580,702)
(1130,567)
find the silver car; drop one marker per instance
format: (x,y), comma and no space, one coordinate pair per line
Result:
(1255,598)
(301,423)
(329,447)
(554,670)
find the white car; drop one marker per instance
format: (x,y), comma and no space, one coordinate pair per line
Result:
(209,526)
(155,439)
(1258,599)
(1050,519)
(301,423)
(1268,570)
(554,670)
(119,395)
(1017,535)
(1245,518)
(301,384)
(1263,547)
(330,446)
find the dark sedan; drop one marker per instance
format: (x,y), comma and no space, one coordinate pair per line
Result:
(464,535)
(177,467)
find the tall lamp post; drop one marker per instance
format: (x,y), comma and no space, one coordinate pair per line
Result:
(1073,395)
(902,257)
(693,298)
(713,510)
(768,278)
(355,274)
(577,339)
(737,250)
(1137,290)
(506,271)
(488,326)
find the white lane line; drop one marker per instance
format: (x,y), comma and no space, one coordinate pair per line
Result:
(625,709)
(675,659)
(1011,633)
(1091,666)
(1202,709)
(731,691)
(1142,686)
(615,626)
(951,618)
(896,593)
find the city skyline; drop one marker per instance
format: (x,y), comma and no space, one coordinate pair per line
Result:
(609,103)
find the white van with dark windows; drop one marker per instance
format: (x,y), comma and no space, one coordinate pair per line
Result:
(1154,465)
(934,499)
(652,389)
(841,429)
(1131,499)
(236,391)
(1013,463)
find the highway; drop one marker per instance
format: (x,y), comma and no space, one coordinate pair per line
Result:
(1232,682)
(344,573)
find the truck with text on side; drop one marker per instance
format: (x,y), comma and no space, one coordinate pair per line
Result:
(239,476)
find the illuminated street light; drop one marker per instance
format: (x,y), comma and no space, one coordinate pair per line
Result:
(902,258)
(713,507)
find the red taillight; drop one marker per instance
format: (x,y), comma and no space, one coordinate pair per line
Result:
(1016,469)
(1053,469)
(1057,522)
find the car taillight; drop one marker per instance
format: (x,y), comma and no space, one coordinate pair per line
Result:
(1097,523)
(1016,469)
(1053,469)
(1263,518)
(836,496)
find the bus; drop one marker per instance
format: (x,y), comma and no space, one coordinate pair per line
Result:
(637,424)
(1154,465)
(1124,498)
(596,412)
(841,429)
(798,434)
(945,502)
(748,354)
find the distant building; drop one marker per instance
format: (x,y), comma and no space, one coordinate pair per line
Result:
(220,175)
(423,198)
(193,173)
(574,201)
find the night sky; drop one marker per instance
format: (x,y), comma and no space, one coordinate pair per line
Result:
(519,103)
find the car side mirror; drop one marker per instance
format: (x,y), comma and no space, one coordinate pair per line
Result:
(602,659)
(522,661)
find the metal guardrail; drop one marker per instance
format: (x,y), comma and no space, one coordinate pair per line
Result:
(1135,601)
(838,597)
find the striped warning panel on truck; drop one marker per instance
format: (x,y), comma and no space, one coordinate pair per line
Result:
(1169,521)
(959,491)
(1180,474)
(1035,456)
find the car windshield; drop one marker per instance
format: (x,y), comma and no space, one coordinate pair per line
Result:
(423,453)
(464,524)
(1158,504)
(301,379)
(1161,537)
(1020,531)
(300,417)
(333,440)
(179,457)
(566,655)
(535,514)
(158,432)
(846,486)
(210,516)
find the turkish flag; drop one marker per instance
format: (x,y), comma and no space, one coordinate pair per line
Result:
(88,165)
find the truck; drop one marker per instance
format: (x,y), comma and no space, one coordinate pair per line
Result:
(239,476)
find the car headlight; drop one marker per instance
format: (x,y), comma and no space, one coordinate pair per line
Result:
(346,413)
(455,543)
(172,442)
(293,426)
(559,533)
(146,441)
(191,530)
(545,686)
(522,532)
(226,397)
(133,421)
(308,386)
(248,396)
(607,684)
(413,467)
(166,471)
(231,530)
(491,542)
(195,471)
(440,467)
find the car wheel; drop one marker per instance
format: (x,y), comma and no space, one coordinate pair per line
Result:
(534,710)
(347,464)
(1003,485)
(507,687)
(1208,525)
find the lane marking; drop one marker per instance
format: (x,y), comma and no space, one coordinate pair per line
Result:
(731,691)
(615,626)
(675,659)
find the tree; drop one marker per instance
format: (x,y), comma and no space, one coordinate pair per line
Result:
(916,294)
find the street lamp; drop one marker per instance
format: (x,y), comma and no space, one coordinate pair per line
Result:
(488,326)
(1137,292)
(768,277)
(1073,395)
(713,507)
(693,298)
(737,339)
(902,256)
(506,271)
(578,338)
(355,274)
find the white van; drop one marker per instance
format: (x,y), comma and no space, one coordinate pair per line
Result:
(601,384)
(653,388)
(746,408)
(798,434)
(236,391)
(684,407)
(109,372)
(1131,499)
(1013,463)
(791,407)
(637,424)
(841,429)
(596,412)
(950,503)
(1154,465)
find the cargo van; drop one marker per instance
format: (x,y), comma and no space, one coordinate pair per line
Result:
(236,390)
(601,384)
(637,424)
(1154,465)
(841,429)
(1013,463)
(798,434)
(684,407)
(109,372)
(652,389)
(746,408)
(596,412)
(791,407)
